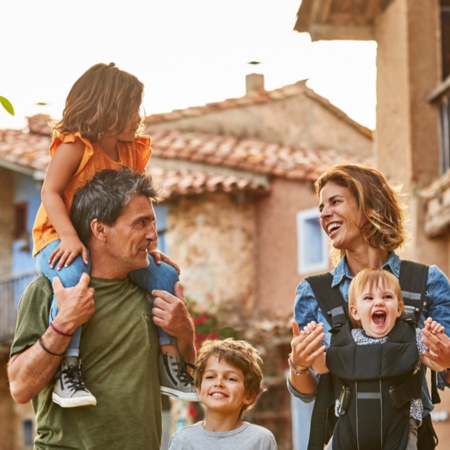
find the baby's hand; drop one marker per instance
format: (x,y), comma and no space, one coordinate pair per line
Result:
(433,327)
(311,326)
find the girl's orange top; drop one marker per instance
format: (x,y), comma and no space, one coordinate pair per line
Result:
(134,155)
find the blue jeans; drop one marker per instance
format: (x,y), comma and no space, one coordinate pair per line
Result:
(161,277)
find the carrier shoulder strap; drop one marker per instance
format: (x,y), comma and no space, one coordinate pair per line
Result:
(413,282)
(329,298)
(332,303)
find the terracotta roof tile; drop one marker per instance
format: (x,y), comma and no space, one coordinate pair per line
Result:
(198,162)
(247,155)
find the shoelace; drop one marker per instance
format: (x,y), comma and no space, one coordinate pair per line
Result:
(183,375)
(75,378)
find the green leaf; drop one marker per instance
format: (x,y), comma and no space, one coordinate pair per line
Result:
(7,105)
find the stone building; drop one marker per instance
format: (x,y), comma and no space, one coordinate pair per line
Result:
(239,216)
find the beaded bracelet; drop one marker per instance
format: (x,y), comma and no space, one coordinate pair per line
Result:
(41,342)
(59,331)
(295,369)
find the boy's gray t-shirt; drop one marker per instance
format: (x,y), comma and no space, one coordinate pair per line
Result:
(247,437)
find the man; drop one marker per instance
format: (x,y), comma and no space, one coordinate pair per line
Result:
(114,217)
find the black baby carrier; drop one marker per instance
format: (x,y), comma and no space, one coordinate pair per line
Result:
(370,405)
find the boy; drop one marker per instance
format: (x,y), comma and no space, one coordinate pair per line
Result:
(376,362)
(228,380)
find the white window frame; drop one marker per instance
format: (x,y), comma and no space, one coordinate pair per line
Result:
(304,237)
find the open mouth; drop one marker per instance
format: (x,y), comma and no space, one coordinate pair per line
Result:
(332,228)
(379,317)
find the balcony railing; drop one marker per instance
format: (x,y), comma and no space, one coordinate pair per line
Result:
(11,289)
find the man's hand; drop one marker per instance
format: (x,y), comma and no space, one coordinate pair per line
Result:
(33,369)
(75,304)
(170,312)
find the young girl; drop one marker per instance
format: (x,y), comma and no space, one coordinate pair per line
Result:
(378,362)
(98,131)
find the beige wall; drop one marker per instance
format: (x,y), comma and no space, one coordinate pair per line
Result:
(240,254)
(407,136)
(212,239)
(277,259)
(297,120)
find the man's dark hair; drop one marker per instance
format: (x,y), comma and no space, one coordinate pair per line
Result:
(105,196)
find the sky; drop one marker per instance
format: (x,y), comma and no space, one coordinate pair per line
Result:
(186,52)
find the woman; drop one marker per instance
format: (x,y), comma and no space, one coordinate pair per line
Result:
(364,219)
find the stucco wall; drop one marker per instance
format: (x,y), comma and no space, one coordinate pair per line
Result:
(212,239)
(407,136)
(297,120)
(277,259)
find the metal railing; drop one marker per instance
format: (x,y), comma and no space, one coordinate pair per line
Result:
(11,289)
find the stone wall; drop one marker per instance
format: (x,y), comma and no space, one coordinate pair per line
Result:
(212,239)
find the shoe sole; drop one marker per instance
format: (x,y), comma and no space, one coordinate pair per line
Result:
(187,396)
(73,402)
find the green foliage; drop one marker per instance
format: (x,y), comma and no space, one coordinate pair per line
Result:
(7,105)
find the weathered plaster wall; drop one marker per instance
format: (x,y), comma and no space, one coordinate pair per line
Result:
(213,242)
(407,136)
(297,120)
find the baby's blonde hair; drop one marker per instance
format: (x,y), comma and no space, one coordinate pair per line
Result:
(372,278)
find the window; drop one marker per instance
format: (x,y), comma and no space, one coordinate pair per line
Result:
(161,226)
(312,242)
(28,435)
(444,119)
(441,94)
(20,220)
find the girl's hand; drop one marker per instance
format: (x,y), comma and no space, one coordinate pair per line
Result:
(68,249)
(159,256)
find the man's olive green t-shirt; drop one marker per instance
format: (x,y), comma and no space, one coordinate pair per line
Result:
(119,353)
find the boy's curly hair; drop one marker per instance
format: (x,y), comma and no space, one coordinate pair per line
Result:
(238,353)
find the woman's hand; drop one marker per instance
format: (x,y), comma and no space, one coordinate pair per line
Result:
(307,344)
(438,343)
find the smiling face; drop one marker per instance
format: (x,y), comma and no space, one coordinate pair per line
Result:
(377,305)
(222,388)
(340,217)
(129,239)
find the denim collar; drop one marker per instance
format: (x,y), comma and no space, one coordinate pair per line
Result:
(342,270)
